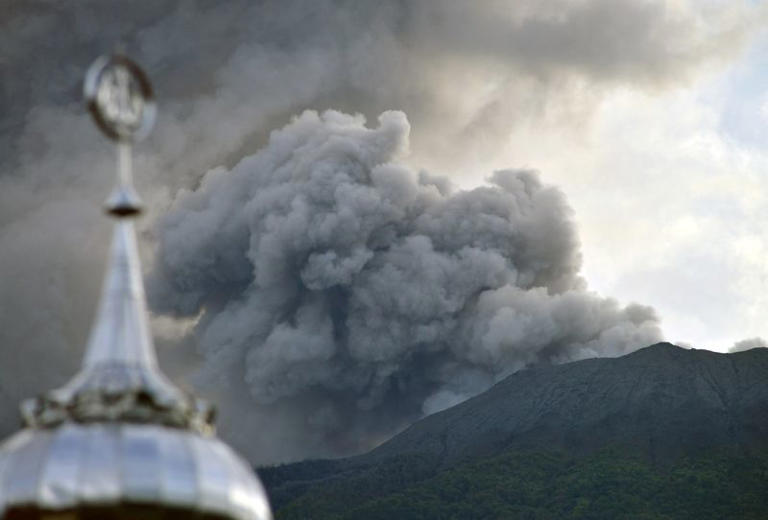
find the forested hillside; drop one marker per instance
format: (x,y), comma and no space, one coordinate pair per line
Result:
(609,484)
(664,433)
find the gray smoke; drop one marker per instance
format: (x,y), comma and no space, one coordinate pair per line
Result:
(335,283)
(466,73)
(748,344)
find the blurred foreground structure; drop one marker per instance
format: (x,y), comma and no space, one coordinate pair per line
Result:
(120,440)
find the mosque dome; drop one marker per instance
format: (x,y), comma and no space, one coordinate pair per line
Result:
(120,440)
(123,470)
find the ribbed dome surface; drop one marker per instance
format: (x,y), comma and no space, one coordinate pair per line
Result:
(103,464)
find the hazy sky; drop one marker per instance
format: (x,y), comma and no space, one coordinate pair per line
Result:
(669,190)
(649,119)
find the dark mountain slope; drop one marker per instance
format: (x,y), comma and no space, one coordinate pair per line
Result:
(658,406)
(663,399)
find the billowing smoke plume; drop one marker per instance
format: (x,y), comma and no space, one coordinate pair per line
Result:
(338,284)
(468,74)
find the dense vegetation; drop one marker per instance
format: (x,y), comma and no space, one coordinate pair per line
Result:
(611,483)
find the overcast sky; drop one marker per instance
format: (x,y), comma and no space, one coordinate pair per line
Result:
(669,190)
(649,117)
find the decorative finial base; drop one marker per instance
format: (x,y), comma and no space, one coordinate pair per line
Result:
(124,202)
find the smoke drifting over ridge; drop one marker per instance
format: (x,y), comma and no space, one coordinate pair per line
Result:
(338,284)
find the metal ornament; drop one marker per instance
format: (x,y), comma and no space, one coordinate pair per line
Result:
(119,97)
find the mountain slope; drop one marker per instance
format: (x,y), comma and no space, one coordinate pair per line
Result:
(663,399)
(608,484)
(658,407)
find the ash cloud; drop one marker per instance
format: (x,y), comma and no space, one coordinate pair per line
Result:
(337,284)
(748,344)
(467,74)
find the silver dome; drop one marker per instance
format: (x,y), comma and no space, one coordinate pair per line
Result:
(120,440)
(103,464)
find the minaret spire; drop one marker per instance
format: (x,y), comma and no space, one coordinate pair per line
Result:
(120,99)
(119,379)
(120,440)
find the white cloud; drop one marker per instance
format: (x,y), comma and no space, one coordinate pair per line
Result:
(670,209)
(763,110)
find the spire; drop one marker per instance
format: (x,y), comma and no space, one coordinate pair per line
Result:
(119,97)
(120,440)
(119,378)
(120,333)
